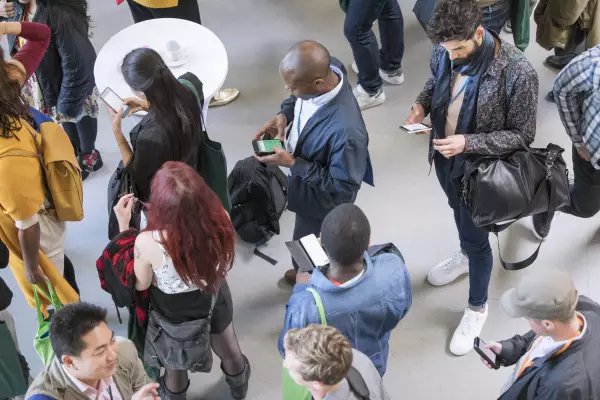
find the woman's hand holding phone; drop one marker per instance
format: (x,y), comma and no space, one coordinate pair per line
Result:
(136,104)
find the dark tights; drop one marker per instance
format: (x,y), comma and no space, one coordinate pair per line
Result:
(82,134)
(226,347)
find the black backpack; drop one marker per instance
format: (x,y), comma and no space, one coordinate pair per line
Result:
(258,199)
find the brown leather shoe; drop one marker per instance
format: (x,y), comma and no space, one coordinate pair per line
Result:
(290,276)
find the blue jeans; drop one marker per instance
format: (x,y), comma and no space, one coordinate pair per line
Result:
(496,15)
(358,29)
(474,241)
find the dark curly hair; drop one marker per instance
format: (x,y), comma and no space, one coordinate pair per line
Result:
(454,20)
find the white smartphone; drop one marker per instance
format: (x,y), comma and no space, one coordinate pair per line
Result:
(414,128)
(114,101)
(315,251)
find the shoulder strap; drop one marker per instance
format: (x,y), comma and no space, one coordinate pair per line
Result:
(214,301)
(357,383)
(319,305)
(20,153)
(190,86)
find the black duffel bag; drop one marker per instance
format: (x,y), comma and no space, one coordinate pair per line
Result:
(527,182)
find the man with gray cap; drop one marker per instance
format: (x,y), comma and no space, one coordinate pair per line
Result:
(560,357)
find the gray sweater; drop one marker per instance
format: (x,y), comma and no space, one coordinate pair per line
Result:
(371,377)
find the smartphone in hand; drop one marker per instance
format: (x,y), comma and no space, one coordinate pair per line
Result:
(265,147)
(485,353)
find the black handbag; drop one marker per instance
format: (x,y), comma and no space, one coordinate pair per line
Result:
(526,182)
(120,184)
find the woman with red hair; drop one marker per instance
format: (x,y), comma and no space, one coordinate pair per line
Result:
(183,258)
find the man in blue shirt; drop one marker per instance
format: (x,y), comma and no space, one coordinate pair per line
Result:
(577,95)
(364,297)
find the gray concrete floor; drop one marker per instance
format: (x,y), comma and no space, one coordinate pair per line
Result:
(407,207)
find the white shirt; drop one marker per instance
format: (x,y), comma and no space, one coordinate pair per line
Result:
(102,393)
(355,279)
(541,347)
(305,109)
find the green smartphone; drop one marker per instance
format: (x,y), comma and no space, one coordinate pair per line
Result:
(265,147)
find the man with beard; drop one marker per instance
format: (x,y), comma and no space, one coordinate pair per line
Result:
(326,144)
(472,113)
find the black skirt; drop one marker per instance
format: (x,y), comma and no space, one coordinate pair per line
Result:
(190,306)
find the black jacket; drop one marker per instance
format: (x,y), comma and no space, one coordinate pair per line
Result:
(66,73)
(332,155)
(150,151)
(571,375)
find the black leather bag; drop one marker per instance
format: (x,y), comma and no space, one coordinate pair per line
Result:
(120,184)
(526,182)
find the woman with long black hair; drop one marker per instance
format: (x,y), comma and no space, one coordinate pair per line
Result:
(63,86)
(172,128)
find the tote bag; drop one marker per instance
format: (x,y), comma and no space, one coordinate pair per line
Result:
(291,390)
(212,164)
(41,342)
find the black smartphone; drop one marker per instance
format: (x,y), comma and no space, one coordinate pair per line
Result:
(113,100)
(485,353)
(265,147)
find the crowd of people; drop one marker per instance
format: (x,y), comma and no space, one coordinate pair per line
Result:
(174,241)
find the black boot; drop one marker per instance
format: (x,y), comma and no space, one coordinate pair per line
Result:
(166,394)
(239,383)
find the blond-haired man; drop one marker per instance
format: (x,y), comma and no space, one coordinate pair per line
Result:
(322,360)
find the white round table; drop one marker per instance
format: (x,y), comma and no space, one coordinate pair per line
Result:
(206,55)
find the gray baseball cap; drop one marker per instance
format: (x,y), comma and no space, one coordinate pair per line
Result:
(547,294)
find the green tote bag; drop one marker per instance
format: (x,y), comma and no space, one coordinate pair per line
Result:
(291,390)
(41,342)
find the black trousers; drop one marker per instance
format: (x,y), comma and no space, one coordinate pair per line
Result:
(82,134)
(304,226)
(186,9)
(585,192)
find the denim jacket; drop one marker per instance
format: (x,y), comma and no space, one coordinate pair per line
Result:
(365,311)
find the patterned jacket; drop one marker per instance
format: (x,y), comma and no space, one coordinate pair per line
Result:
(504,123)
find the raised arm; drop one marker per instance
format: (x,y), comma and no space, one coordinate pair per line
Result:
(30,55)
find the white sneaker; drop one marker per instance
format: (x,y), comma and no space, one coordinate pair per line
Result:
(397,78)
(449,270)
(469,328)
(365,100)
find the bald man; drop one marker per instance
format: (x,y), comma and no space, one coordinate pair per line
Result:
(326,142)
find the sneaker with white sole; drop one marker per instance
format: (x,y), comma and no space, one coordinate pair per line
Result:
(469,328)
(449,270)
(393,78)
(365,100)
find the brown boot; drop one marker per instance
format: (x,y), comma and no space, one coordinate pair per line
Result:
(290,276)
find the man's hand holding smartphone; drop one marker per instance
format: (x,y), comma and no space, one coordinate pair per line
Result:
(274,129)
(496,348)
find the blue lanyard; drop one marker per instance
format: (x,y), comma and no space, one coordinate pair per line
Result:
(462,89)
(299,120)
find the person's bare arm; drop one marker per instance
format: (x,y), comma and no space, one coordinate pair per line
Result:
(141,265)
(30,246)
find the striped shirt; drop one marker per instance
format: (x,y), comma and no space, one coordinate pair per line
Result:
(577,96)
